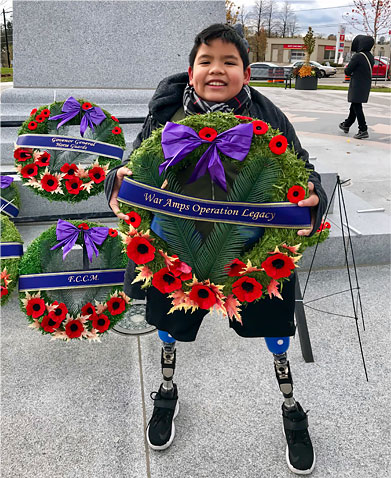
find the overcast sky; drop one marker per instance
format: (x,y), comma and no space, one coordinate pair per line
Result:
(323,16)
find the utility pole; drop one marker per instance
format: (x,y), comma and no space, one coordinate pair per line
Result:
(6,40)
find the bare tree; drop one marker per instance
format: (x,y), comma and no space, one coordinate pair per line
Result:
(270,17)
(292,26)
(370,16)
(286,17)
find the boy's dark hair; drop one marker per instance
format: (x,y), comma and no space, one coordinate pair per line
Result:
(227,34)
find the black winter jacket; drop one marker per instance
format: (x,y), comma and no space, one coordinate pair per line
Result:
(359,70)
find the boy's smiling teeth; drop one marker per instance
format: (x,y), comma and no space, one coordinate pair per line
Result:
(216,83)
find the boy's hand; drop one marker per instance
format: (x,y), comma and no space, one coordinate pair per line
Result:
(121,173)
(311,201)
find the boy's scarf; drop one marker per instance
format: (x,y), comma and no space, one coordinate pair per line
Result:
(193,104)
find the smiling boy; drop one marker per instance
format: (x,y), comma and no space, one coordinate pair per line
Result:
(217,80)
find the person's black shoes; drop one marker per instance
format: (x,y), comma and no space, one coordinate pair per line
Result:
(361,135)
(161,427)
(344,128)
(300,455)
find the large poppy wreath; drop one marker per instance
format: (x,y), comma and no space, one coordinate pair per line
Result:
(220,271)
(68,313)
(64,162)
(11,250)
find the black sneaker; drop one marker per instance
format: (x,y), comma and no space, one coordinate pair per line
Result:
(361,135)
(300,455)
(344,128)
(161,427)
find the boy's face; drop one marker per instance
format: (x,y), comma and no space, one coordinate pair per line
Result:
(217,74)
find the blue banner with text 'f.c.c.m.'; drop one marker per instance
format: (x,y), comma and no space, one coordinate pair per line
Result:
(279,214)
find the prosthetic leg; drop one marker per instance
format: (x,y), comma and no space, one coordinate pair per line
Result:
(300,455)
(161,427)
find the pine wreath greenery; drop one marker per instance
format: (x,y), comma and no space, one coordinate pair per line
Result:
(85,314)
(225,273)
(61,175)
(8,267)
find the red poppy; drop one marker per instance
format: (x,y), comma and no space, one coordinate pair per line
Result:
(60,312)
(140,250)
(134,219)
(88,309)
(260,127)
(181,269)
(32,125)
(74,186)
(113,232)
(86,106)
(243,118)
(83,226)
(23,154)
(247,289)
(35,307)
(29,170)
(33,111)
(4,291)
(116,305)
(165,281)
(323,225)
(116,130)
(43,159)
(49,182)
(203,296)
(278,144)
(101,323)
(234,268)
(40,118)
(69,170)
(45,112)
(50,323)
(295,194)
(74,329)
(97,174)
(115,119)
(278,265)
(208,133)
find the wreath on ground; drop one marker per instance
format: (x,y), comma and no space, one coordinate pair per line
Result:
(220,272)
(10,198)
(83,313)
(8,266)
(57,172)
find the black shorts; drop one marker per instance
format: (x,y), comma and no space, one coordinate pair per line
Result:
(265,318)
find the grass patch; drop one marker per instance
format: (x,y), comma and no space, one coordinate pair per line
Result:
(7,74)
(381,89)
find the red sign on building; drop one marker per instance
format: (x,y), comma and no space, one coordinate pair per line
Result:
(329,47)
(294,46)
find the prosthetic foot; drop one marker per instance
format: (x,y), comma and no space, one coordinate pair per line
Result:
(161,428)
(300,455)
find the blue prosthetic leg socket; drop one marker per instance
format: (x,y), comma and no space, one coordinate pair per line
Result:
(277,345)
(166,337)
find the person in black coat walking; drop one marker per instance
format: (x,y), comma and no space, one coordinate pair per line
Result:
(360,71)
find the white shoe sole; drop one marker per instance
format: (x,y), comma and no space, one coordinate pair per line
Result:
(291,467)
(172,436)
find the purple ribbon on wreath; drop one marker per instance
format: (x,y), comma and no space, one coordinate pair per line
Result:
(67,234)
(71,108)
(179,140)
(5,181)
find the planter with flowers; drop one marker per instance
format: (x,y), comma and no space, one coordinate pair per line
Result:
(307,75)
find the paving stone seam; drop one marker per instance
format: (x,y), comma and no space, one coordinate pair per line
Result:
(147,457)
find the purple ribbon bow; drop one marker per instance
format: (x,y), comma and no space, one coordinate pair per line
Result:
(5,181)
(67,234)
(179,140)
(71,108)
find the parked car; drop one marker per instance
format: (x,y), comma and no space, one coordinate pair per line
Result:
(380,70)
(264,70)
(324,70)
